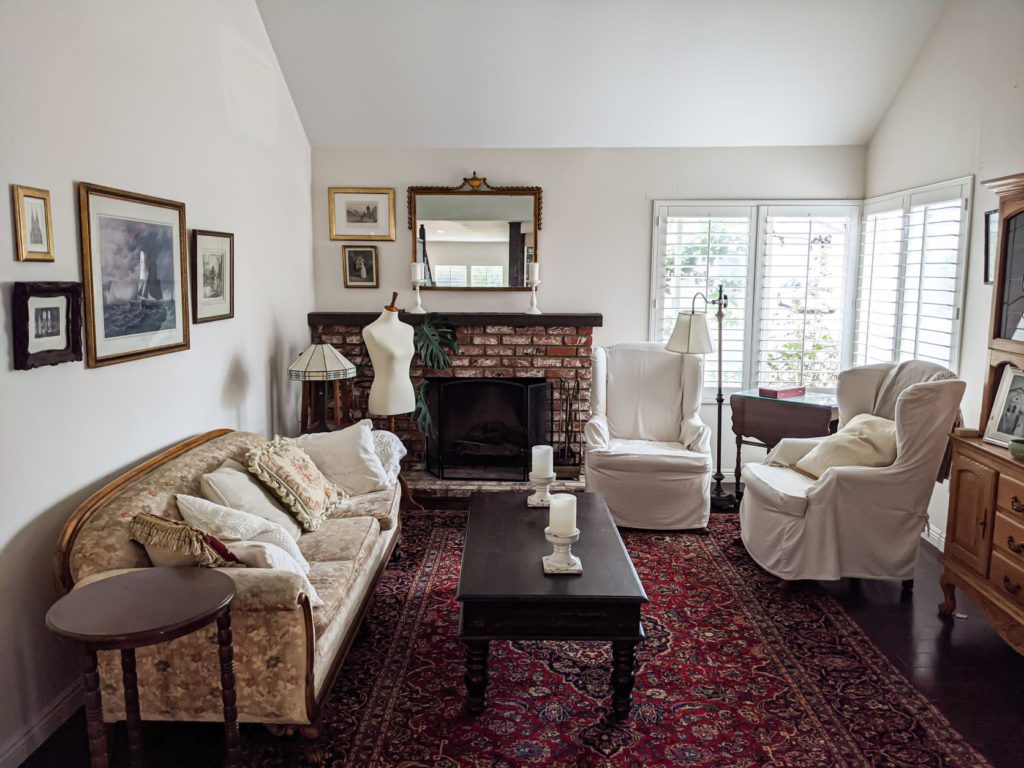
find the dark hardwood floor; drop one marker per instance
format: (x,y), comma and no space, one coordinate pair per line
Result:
(962,666)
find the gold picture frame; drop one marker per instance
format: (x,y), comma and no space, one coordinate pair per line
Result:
(360,216)
(136,302)
(33,224)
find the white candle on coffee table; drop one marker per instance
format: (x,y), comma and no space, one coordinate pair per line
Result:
(562,521)
(543,461)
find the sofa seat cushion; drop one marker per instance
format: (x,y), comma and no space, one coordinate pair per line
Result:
(382,505)
(777,489)
(332,580)
(651,457)
(349,539)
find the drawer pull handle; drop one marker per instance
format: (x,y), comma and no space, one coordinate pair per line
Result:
(1017,505)
(1009,586)
(1014,546)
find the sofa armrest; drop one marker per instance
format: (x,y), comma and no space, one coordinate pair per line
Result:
(597,434)
(256,589)
(790,450)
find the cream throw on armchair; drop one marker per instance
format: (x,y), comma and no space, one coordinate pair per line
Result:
(647,451)
(860,522)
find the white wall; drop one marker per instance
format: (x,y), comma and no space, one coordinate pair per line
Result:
(181,100)
(960,111)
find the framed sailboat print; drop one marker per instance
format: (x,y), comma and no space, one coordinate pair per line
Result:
(134,263)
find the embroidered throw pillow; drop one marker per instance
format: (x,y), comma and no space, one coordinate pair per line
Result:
(290,475)
(170,543)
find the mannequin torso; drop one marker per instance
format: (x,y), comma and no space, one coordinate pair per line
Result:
(389,342)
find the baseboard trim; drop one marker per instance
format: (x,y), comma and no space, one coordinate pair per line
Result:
(52,717)
(936,537)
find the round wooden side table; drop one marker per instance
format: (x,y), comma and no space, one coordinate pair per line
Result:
(142,608)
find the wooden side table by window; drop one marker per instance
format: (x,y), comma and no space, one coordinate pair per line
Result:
(140,608)
(764,421)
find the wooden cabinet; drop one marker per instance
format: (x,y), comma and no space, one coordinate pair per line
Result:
(984,552)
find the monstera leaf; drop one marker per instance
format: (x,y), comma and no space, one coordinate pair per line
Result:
(434,339)
(424,423)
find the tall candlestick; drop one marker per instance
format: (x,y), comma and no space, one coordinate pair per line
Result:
(562,521)
(543,460)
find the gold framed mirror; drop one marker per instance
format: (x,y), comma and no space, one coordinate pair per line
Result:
(474,236)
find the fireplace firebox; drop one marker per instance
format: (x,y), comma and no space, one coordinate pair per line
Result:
(484,428)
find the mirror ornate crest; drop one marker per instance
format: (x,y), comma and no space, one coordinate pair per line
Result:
(474,236)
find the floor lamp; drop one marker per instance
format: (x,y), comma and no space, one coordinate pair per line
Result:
(690,336)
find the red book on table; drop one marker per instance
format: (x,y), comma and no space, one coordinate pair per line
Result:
(782,391)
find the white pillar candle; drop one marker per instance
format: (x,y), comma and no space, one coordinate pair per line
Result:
(562,521)
(543,460)
(534,273)
(417,271)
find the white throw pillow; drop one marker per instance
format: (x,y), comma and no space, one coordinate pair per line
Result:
(347,458)
(865,441)
(390,450)
(232,486)
(260,554)
(231,525)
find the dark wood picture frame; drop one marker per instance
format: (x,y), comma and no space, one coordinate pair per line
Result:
(72,351)
(194,275)
(345,249)
(86,192)
(991,244)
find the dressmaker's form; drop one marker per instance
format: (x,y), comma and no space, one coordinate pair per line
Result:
(389,342)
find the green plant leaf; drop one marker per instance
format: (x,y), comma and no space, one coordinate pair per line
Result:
(434,339)
(424,423)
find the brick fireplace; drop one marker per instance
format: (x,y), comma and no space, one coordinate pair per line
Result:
(555,347)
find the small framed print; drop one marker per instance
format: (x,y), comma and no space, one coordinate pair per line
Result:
(359,264)
(1006,421)
(213,276)
(47,322)
(33,225)
(991,245)
(361,213)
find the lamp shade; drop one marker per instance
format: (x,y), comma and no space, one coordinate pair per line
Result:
(691,335)
(321,362)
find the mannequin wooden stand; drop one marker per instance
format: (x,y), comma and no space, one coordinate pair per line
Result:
(406,493)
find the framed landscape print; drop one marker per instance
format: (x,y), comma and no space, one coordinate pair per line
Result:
(359,264)
(361,213)
(1006,422)
(213,276)
(134,265)
(33,225)
(47,323)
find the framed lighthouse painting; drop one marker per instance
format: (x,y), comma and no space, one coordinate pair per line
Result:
(134,265)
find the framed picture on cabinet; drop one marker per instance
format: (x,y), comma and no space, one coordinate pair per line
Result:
(1006,420)
(47,324)
(359,266)
(33,224)
(213,276)
(991,245)
(134,263)
(361,213)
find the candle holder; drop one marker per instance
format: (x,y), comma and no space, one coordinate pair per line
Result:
(534,309)
(542,495)
(562,560)
(418,309)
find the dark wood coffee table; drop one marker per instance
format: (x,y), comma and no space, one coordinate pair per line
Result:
(144,607)
(505,594)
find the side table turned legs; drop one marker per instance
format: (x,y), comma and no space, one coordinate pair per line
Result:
(94,712)
(232,751)
(133,721)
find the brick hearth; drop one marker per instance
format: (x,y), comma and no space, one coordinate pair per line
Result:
(491,345)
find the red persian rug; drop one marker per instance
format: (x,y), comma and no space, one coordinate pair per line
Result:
(734,672)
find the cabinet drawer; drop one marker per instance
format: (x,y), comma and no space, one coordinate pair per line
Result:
(1010,496)
(1009,537)
(1007,578)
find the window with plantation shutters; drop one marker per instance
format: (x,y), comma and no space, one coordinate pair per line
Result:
(910,276)
(698,248)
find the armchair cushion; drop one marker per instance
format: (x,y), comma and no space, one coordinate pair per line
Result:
(649,455)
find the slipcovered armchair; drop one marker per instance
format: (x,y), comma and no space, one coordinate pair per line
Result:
(648,453)
(855,522)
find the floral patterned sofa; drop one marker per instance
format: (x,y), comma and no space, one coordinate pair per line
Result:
(286,653)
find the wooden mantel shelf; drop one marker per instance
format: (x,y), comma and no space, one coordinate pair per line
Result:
(514,319)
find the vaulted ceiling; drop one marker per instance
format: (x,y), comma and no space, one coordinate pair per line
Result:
(594,73)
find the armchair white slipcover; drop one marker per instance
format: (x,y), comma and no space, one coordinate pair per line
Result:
(648,453)
(853,522)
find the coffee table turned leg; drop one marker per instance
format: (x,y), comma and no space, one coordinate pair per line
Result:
(232,754)
(133,720)
(623,661)
(94,712)
(476,675)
